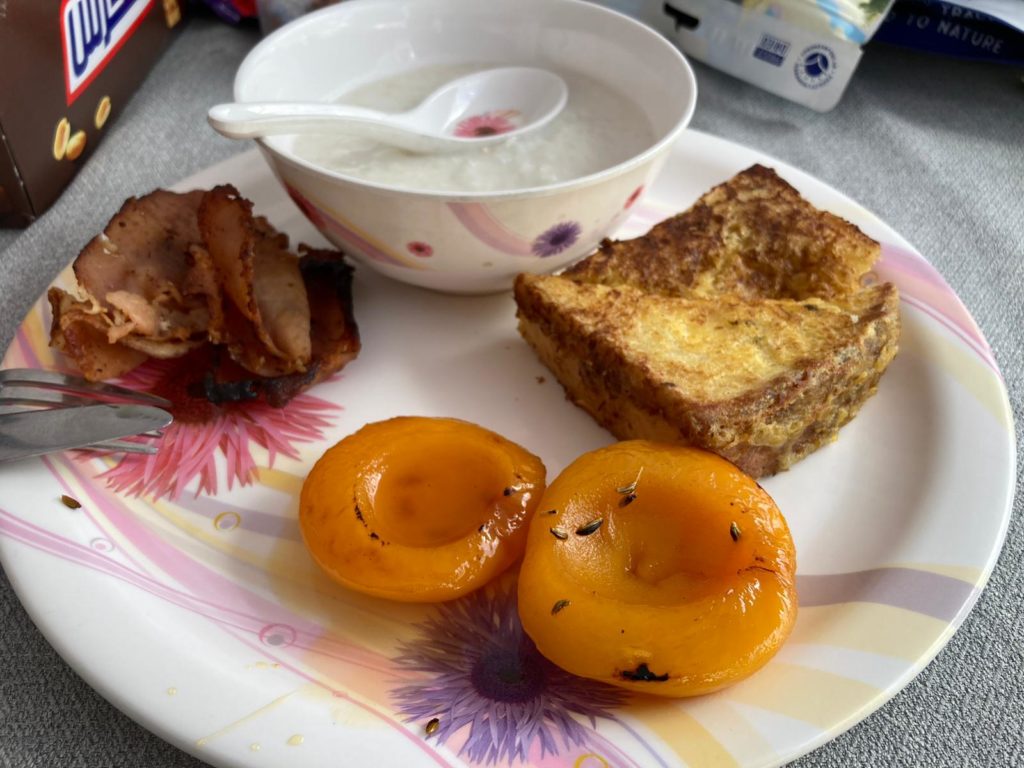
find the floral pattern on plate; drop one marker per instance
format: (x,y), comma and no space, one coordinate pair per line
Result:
(202,431)
(211,594)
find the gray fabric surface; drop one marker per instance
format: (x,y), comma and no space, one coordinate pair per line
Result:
(935,147)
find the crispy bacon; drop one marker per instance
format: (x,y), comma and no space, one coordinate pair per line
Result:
(334,334)
(266,317)
(196,273)
(334,338)
(136,269)
(81,334)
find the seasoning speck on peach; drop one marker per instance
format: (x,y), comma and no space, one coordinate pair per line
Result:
(687,588)
(420,509)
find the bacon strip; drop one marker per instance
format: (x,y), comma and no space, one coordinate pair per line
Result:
(266,321)
(136,269)
(81,334)
(175,273)
(334,338)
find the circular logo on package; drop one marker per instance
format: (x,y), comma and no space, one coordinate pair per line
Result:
(816,66)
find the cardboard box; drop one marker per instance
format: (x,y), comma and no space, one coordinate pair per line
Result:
(67,68)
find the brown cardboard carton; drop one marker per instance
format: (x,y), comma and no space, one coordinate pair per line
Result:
(67,68)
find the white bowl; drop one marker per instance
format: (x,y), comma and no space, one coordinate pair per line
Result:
(471,242)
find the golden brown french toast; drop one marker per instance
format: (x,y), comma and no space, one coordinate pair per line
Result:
(752,236)
(762,382)
(742,325)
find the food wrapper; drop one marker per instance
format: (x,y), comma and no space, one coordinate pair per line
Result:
(808,50)
(275,13)
(989,30)
(231,11)
(802,50)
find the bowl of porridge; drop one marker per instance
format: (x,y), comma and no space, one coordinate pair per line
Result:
(468,222)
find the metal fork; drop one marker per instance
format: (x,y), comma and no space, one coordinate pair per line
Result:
(24,391)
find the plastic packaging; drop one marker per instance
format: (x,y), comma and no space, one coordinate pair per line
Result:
(803,50)
(275,13)
(989,30)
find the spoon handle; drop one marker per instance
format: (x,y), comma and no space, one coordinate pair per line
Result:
(252,120)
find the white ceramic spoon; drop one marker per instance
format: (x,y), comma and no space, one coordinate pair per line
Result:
(470,112)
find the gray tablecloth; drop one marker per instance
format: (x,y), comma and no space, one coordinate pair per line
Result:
(934,146)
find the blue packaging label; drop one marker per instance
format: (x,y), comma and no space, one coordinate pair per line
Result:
(953,29)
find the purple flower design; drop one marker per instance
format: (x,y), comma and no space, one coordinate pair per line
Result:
(484,673)
(556,239)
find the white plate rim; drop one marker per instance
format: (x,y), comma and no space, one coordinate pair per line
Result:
(35,603)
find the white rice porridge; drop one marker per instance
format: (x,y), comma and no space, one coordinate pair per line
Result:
(597,130)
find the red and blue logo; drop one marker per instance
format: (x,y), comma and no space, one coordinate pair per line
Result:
(92,31)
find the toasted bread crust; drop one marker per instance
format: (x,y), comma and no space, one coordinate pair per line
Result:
(588,335)
(753,236)
(742,325)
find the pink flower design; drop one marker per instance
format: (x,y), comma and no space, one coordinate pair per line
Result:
(634,197)
(201,430)
(423,250)
(487,124)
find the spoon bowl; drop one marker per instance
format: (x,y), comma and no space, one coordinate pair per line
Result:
(469,112)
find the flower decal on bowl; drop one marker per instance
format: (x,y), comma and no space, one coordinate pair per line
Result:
(487,124)
(556,239)
(202,430)
(417,248)
(484,674)
(634,197)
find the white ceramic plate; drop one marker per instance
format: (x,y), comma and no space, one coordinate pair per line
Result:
(188,600)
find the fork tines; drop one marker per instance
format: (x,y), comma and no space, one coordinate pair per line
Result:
(20,382)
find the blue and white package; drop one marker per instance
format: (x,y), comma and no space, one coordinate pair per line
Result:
(803,50)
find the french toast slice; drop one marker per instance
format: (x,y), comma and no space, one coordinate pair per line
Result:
(753,236)
(762,382)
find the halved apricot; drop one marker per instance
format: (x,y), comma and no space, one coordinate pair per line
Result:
(659,568)
(419,509)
